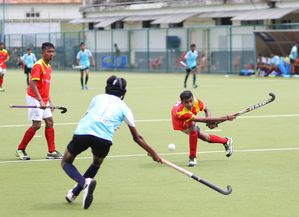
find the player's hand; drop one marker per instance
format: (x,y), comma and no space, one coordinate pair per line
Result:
(42,105)
(93,64)
(231,117)
(156,157)
(212,125)
(52,110)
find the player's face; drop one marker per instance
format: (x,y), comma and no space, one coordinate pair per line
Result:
(82,47)
(1,46)
(29,51)
(48,53)
(193,48)
(188,103)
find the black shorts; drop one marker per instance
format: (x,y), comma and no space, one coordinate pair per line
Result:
(81,70)
(292,61)
(27,70)
(99,147)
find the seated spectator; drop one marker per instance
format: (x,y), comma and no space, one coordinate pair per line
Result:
(20,63)
(287,64)
(261,65)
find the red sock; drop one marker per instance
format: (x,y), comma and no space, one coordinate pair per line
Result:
(50,136)
(1,81)
(27,137)
(193,138)
(217,139)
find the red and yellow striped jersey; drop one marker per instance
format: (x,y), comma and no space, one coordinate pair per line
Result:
(3,56)
(182,117)
(41,72)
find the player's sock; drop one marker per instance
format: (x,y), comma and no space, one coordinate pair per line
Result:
(186,78)
(50,136)
(82,82)
(86,79)
(90,173)
(27,81)
(73,173)
(1,81)
(194,79)
(193,138)
(27,137)
(217,139)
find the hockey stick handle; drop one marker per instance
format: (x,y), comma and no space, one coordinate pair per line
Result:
(253,107)
(183,63)
(64,110)
(191,175)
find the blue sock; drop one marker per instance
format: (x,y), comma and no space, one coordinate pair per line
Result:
(90,173)
(73,173)
(194,79)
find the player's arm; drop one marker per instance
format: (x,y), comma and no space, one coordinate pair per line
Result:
(142,143)
(22,60)
(129,119)
(36,93)
(213,119)
(208,114)
(5,61)
(187,57)
(92,59)
(78,59)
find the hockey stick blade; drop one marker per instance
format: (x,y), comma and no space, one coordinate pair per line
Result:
(64,110)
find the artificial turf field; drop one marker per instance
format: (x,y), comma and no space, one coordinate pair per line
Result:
(263,170)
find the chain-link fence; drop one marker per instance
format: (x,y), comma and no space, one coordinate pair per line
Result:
(222,49)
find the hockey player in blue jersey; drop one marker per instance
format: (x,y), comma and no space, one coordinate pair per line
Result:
(95,130)
(192,62)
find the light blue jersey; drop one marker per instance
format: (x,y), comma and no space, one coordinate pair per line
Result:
(281,61)
(83,58)
(29,60)
(191,58)
(104,115)
(294,52)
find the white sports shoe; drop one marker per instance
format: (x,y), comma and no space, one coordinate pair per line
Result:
(89,187)
(70,197)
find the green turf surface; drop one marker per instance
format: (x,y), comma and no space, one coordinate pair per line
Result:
(265,183)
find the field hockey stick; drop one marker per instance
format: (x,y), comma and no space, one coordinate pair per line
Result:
(64,110)
(77,67)
(253,107)
(184,64)
(191,175)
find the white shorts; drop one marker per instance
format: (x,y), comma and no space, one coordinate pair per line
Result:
(3,71)
(36,114)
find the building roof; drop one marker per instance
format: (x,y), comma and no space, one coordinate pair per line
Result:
(44,1)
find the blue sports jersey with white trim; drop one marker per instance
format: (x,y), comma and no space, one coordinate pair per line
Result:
(105,113)
(191,58)
(83,58)
(29,60)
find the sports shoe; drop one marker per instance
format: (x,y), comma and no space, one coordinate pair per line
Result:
(90,185)
(82,88)
(1,89)
(54,155)
(228,147)
(22,155)
(86,87)
(70,197)
(192,162)
(194,86)
(185,85)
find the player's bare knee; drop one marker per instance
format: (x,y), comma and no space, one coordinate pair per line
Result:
(193,127)
(49,122)
(36,125)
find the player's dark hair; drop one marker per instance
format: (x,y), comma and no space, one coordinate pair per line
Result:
(47,45)
(1,43)
(192,45)
(116,86)
(260,55)
(186,95)
(82,43)
(28,48)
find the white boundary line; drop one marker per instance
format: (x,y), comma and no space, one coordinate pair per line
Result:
(158,120)
(164,154)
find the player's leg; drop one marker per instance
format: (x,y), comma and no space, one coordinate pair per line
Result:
(186,77)
(26,71)
(86,77)
(50,135)
(227,142)
(81,79)
(193,139)
(1,79)
(194,70)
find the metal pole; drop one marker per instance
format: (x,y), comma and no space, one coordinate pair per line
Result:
(230,49)
(3,27)
(167,58)
(64,51)
(129,59)
(95,50)
(112,57)
(208,31)
(148,68)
